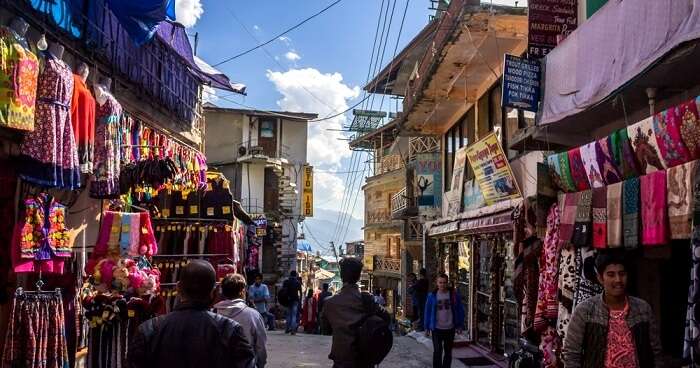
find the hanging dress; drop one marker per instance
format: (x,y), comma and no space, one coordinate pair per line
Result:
(82,111)
(106,171)
(19,71)
(49,156)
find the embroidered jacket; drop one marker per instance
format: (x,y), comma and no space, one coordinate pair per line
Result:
(44,231)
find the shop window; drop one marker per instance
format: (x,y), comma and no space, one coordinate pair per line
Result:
(267,136)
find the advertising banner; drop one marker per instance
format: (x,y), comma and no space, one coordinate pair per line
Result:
(521,83)
(549,22)
(428,179)
(307,194)
(492,170)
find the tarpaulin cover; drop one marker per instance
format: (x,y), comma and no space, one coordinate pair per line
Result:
(304,246)
(140,18)
(620,41)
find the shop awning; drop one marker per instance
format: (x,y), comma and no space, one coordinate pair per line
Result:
(622,40)
(323,275)
(141,18)
(489,219)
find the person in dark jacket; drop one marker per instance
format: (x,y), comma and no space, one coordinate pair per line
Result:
(342,314)
(444,316)
(613,329)
(322,297)
(191,336)
(293,287)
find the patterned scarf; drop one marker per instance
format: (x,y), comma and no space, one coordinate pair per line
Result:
(582,224)
(630,212)
(691,345)
(568,280)
(690,126)
(614,215)
(599,210)
(587,283)
(578,171)
(590,164)
(646,149)
(680,199)
(547,305)
(568,217)
(653,211)
(560,171)
(606,161)
(628,164)
(667,127)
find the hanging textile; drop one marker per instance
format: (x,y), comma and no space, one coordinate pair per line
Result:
(614,213)
(19,72)
(48,154)
(578,171)
(590,164)
(526,279)
(125,234)
(82,113)
(547,305)
(668,136)
(107,147)
(646,149)
(587,281)
(680,199)
(690,126)
(691,345)
(630,212)
(550,346)
(606,161)
(568,280)
(653,208)
(568,217)
(628,162)
(217,201)
(599,213)
(582,225)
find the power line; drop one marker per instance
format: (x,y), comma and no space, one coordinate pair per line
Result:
(278,36)
(386,40)
(393,58)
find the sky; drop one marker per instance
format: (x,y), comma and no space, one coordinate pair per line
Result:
(319,68)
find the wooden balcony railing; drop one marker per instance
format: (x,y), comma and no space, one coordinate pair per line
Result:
(399,202)
(377,216)
(388,163)
(414,230)
(386,265)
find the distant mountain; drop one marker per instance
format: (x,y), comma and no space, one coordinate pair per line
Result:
(323,227)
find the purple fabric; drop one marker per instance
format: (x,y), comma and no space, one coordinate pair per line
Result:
(620,41)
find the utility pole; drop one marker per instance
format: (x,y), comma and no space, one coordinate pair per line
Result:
(335,253)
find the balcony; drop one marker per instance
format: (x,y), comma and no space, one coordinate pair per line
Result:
(387,267)
(388,163)
(377,216)
(403,204)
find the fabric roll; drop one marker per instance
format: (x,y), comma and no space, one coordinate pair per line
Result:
(590,164)
(599,213)
(645,146)
(614,213)
(690,126)
(578,171)
(628,162)
(582,224)
(667,127)
(653,209)
(568,280)
(679,182)
(568,217)
(630,212)
(606,161)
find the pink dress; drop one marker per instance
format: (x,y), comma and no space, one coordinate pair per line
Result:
(107,147)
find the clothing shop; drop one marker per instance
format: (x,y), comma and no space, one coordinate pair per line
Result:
(104,189)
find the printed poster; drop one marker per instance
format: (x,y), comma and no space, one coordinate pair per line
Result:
(492,170)
(428,179)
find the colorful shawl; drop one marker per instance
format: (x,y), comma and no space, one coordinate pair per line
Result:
(653,211)
(568,217)
(568,280)
(667,127)
(587,283)
(590,164)
(560,172)
(614,215)
(679,180)
(630,212)
(605,156)
(599,211)
(582,224)
(690,126)
(628,162)
(691,345)
(645,147)
(578,172)
(547,305)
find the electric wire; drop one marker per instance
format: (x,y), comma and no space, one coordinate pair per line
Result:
(386,41)
(393,58)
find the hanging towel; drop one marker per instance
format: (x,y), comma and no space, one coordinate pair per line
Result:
(568,217)
(606,161)
(646,150)
(582,224)
(599,210)
(578,172)
(559,171)
(590,164)
(630,213)
(628,162)
(679,181)
(668,135)
(653,208)
(690,126)
(614,215)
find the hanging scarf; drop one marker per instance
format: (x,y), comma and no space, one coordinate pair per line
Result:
(691,344)
(568,217)
(590,164)
(645,147)
(690,126)
(559,171)
(680,199)
(547,305)
(599,211)
(614,213)
(628,162)
(653,211)
(668,135)
(587,281)
(582,224)
(606,161)
(550,346)
(578,171)
(568,280)
(630,212)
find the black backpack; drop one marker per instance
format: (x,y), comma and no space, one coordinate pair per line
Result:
(283,295)
(374,338)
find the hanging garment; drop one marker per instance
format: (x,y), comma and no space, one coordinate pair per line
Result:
(106,172)
(550,346)
(630,212)
(568,217)
(668,135)
(217,201)
(568,280)
(590,164)
(645,146)
(690,126)
(527,282)
(19,72)
(578,171)
(582,225)
(679,180)
(599,213)
(49,156)
(614,213)
(628,161)
(691,345)
(653,208)
(606,161)
(124,234)
(587,281)
(547,304)
(82,111)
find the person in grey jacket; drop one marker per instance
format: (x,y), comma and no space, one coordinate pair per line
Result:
(233,288)
(612,329)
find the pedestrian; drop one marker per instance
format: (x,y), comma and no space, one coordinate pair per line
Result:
(322,297)
(233,288)
(378,298)
(309,312)
(259,295)
(444,316)
(613,329)
(292,290)
(421,292)
(343,312)
(412,281)
(191,335)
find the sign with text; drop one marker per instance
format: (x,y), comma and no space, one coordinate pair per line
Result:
(492,170)
(307,193)
(549,22)
(521,83)
(260,222)
(428,179)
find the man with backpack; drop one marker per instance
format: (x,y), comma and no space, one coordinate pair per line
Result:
(290,296)
(444,315)
(360,327)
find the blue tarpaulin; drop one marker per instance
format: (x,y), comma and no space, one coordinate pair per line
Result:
(304,246)
(140,18)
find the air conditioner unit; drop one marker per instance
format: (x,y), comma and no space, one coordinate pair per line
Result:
(242,151)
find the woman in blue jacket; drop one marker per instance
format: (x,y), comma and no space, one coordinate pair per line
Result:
(444,315)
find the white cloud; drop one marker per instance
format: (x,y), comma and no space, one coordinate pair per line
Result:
(256,27)
(187,12)
(292,56)
(287,41)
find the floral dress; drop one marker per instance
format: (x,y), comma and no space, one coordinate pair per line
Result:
(107,145)
(19,71)
(49,154)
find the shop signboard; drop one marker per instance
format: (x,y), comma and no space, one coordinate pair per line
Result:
(549,22)
(473,199)
(428,179)
(492,170)
(260,222)
(521,83)
(452,199)
(307,203)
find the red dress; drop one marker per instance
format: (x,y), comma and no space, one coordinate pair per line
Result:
(82,109)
